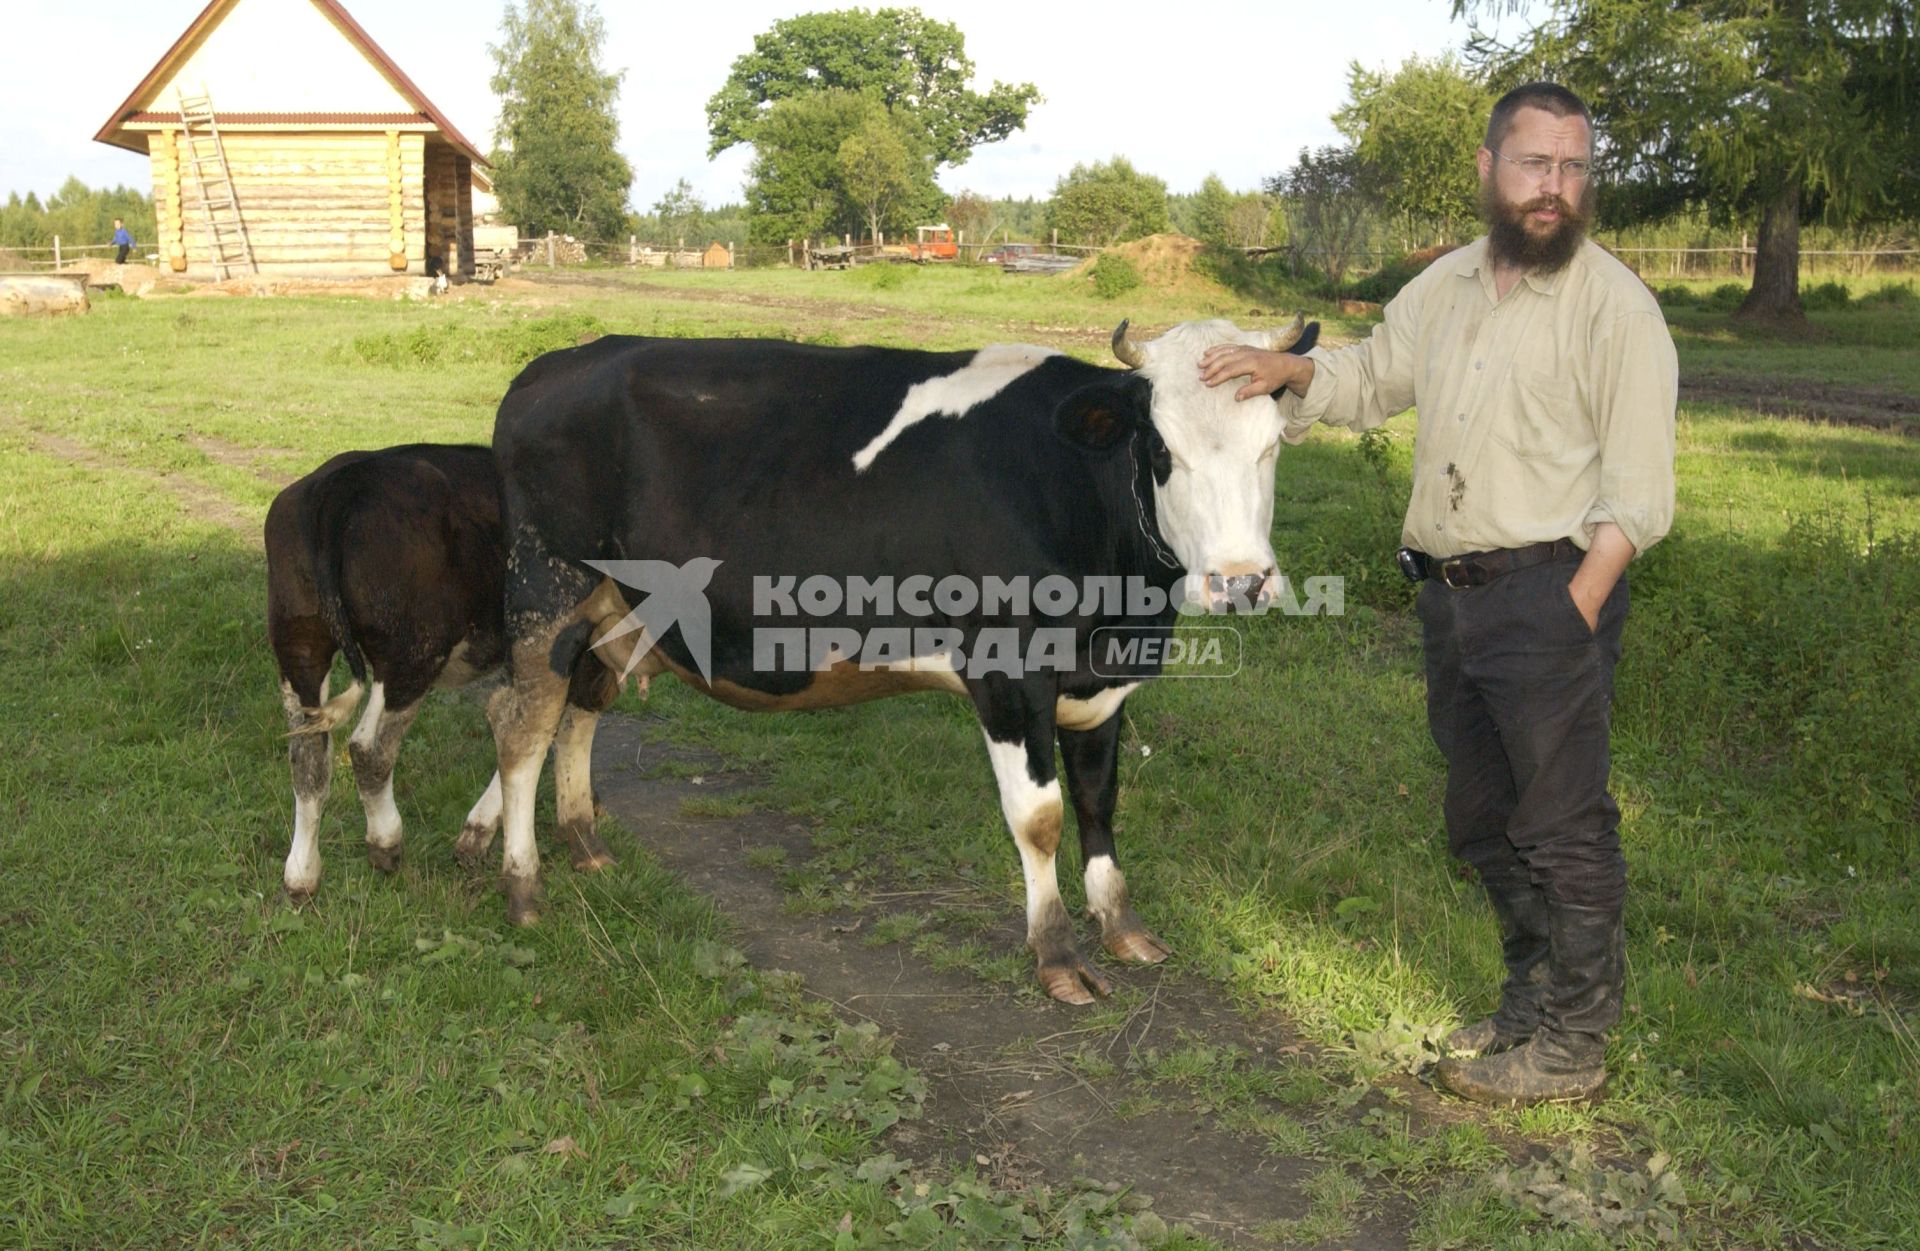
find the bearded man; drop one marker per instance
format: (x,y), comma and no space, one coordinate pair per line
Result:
(1543,463)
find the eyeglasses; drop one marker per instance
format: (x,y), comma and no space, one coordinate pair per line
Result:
(1537,168)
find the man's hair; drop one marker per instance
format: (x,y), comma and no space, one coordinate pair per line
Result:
(1551,97)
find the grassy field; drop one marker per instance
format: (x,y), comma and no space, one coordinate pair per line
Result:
(185,1061)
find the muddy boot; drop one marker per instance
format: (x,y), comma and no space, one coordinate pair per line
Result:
(1566,1057)
(1522,911)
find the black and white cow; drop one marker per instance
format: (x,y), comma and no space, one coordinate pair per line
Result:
(719,476)
(394,559)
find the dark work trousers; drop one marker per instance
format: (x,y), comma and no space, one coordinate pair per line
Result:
(120,257)
(1519,700)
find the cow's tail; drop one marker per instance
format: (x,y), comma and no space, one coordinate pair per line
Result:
(334,712)
(332,514)
(326,520)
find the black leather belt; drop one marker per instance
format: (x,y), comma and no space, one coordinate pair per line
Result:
(1480,568)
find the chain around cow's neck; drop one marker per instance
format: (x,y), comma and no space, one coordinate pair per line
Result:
(1140,509)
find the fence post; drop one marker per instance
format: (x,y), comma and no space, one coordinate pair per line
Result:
(633,249)
(56,252)
(1056,238)
(549,249)
(729,254)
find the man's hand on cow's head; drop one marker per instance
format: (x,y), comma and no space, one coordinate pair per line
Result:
(1266,371)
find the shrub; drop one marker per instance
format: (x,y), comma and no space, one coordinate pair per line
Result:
(1677,296)
(1726,297)
(1828,295)
(1891,295)
(1113,276)
(884,276)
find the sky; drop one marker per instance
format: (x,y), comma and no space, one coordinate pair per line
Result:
(1182,90)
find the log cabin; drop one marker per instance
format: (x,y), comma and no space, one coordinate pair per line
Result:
(283,140)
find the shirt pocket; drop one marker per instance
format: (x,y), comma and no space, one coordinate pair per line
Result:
(1542,415)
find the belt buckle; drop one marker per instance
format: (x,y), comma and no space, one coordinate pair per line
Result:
(1455,574)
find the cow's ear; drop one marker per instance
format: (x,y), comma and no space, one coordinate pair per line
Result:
(1105,414)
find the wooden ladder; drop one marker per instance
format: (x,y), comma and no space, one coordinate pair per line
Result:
(225,230)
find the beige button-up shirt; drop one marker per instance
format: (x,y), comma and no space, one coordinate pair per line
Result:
(1541,415)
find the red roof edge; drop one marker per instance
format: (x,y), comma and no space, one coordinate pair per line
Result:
(460,142)
(129,105)
(353,30)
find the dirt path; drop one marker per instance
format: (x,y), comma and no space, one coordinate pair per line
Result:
(1005,1091)
(253,461)
(1809,400)
(202,503)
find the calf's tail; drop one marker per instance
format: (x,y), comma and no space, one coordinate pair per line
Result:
(334,712)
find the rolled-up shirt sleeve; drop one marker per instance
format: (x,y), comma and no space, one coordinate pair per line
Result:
(1636,387)
(1361,386)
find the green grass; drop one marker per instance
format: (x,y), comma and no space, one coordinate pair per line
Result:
(183,1060)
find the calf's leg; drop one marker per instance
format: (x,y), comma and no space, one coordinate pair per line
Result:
(374,747)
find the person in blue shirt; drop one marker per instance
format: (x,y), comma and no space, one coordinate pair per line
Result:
(123,240)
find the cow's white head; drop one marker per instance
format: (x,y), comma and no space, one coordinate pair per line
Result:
(1213,471)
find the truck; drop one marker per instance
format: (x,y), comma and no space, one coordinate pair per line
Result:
(933,243)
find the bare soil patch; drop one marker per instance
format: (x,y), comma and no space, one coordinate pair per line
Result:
(249,460)
(1809,400)
(199,502)
(1005,1090)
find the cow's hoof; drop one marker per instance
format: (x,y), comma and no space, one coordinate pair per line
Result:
(1073,980)
(590,851)
(385,859)
(593,862)
(298,896)
(523,901)
(471,847)
(1136,946)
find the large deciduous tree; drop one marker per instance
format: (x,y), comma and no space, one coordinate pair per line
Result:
(917,67)
(1767,112)
(1418,128)
(1329,194)
(556,163)
(834,162)
(1107,202)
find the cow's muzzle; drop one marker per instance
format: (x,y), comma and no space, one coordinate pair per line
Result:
(1243,592)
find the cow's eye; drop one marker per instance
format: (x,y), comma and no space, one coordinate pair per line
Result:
(1160,460)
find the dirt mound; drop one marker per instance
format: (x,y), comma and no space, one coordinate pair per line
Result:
(1165,263)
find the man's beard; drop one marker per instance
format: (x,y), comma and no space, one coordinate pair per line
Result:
(1511,243)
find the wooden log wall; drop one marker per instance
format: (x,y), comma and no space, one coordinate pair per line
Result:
(449,212)
(315,203)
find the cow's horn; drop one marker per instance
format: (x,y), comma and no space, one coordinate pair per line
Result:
(1281,340)
(1126,349)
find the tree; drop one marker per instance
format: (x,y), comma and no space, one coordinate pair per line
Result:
(557,166)
(1329,194)
(1755,110)
(1108,202)
(679,213)
(798,185)
(876,168)
(1418,129)
(974,216)
(917,67)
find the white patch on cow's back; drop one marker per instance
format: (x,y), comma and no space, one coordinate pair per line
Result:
(1092,712)
(991,371)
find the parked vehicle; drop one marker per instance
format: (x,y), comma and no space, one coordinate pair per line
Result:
(933,243)
(1002,253)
